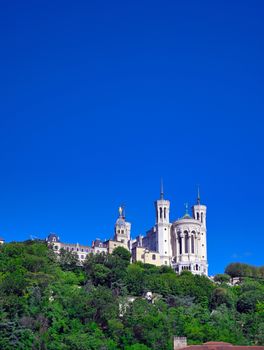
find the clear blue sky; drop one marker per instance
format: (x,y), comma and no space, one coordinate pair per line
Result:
(102,98)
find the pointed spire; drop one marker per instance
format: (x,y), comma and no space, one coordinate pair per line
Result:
(161,189)
(198,195)
(186,208)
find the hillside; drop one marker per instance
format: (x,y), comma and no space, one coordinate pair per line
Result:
(46,303)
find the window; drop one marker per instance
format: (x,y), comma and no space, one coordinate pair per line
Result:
(82,257)
(166,263)
(160,213)
(165,252)
(192,242)
(165,213)
(201,217)
(180,244)
(165,241)
(153,257)
(122,231)
(198,216)
(186,242)
(82,249)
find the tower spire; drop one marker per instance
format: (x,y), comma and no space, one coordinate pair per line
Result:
(161,189)
(198,195)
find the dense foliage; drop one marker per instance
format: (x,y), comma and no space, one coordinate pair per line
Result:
(244,270)
(54,304)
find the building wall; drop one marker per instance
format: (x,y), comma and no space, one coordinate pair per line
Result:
(146,256)
(111,245)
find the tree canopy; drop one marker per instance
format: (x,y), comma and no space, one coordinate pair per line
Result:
(52,303)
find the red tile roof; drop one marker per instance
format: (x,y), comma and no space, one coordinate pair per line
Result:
(221,346)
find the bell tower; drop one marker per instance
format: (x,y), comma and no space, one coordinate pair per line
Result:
(199,214)
(163,242)
(199,211)
(122,227)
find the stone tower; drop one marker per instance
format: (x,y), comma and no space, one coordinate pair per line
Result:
(163,243)
(199,213)
(122,228)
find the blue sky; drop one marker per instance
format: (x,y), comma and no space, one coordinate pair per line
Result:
(101,99)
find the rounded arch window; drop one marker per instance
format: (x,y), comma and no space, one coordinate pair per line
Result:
(186,239)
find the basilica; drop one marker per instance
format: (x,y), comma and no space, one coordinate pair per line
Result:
(180,244)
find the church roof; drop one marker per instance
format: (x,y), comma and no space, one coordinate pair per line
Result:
(187,216)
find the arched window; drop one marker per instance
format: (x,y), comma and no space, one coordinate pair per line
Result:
(160,213)
(201,217)
(153,257)
(165,213)
(180,245)
(192,244)
(197,216)
(186,241)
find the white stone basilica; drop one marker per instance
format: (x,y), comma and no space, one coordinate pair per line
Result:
(180,244)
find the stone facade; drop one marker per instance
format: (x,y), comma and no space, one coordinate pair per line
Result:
(181,244)
(146,256)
